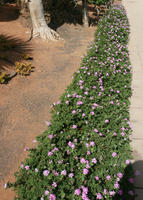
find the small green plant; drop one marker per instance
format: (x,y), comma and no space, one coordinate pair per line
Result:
(23,69)
(3,77)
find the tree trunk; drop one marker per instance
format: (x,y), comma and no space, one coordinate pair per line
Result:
(85,13)
(40,28)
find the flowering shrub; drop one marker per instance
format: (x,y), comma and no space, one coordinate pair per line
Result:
(85,150)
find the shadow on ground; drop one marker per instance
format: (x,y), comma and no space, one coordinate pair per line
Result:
(12,49)
(127,191)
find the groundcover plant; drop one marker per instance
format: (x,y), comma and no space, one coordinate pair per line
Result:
(85,152)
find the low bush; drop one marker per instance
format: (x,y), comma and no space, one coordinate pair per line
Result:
(23,69)
(85,150)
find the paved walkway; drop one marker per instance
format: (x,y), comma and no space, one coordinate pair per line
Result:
(135,14)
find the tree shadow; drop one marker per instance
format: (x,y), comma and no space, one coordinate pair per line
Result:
(66,13)
(128,189)
(8,12)
(12,49)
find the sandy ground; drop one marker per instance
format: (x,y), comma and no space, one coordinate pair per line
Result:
(25,101)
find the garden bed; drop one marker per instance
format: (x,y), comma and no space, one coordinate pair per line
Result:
(85,152)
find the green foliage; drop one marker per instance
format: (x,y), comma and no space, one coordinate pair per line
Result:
(85,152)
(100,2)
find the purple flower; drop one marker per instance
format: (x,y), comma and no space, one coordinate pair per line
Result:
(79,103)
(112,193)
(27,167)
(85,189)
(105,191)
(116,185)
(71,175)
(120,175)
(92,144)
(46,193)
(64,172)
(74,111)
(95,130)
(99,196)
(48,123)
(54,184)
(85,171)
(127,162)
(51,136)
(82,160)
(108,177)
(50,153)
(114,154)
(67,102)
(74,126)
(94,160)
(96,177)
(52,197)
(131,180)
(106,121)
(120,192)
(46,172)
(77,192)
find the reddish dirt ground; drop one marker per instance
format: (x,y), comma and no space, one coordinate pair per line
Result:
(25,101)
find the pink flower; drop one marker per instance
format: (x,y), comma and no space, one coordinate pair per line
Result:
(85,171)
(85,189)
(5,185)
(88,152)
(114,154)
(120,175)
(74,126)
(46,172)
(82,160)
(50,153)
(92,113)
(50,136)
(64,172)
(127,162)
(71,175)
(67,102)
(112,193)
(92,144)
(34,141)
(48,123)
(116,185)
(54,184)
(95,130)
(96,177)
(77,192)
(27,167)
(114,134)
(79,103)
(94,160)
(105,191)
(108,177)
(74,112)
(46,193)
(112,102)
(106,121)
(52,197)
(83,115)
(99,196)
